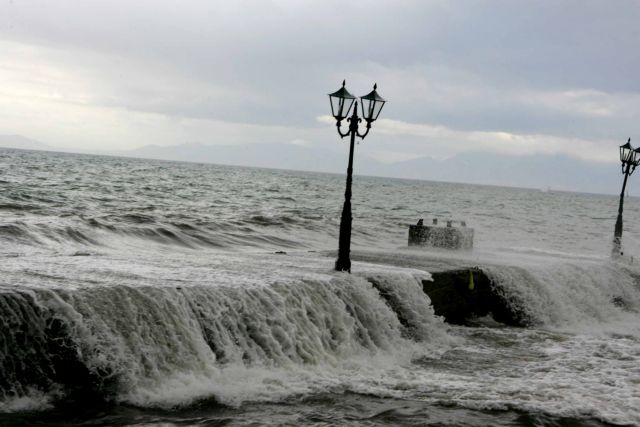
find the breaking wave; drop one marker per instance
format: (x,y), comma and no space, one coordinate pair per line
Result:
(578,296)
(106,232)
(173,345)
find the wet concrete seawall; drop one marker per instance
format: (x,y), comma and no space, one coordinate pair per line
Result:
(460,291)
(462,295)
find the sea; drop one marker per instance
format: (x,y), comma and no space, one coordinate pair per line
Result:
(155,293)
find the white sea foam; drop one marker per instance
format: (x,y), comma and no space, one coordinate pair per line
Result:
(558,374)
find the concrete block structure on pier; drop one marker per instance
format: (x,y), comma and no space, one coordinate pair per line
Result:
(455,235)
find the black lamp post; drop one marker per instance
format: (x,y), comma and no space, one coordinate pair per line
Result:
(630,159)
(341,102)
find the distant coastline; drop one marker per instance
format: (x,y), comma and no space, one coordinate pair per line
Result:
(539,172)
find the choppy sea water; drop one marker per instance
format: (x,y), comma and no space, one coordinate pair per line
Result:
(139,292)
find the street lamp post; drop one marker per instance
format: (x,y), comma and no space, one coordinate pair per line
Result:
(341,102)
(630,159)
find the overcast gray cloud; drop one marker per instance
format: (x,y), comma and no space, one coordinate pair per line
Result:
(502,76)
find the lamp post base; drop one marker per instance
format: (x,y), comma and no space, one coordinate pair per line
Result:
(616,252)
(343,265)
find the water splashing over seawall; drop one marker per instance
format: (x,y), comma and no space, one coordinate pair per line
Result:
(120,342)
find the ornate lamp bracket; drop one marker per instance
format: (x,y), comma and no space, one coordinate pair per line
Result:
(338,127)
(366,132)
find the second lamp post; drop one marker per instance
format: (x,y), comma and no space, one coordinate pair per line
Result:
(630,159)
(341,102)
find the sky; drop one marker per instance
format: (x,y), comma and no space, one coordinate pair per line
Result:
(505,77)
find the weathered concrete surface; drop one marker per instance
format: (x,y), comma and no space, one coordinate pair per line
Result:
(459,299)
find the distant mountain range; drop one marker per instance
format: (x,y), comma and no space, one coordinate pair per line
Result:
(17,141)
(545,172)
(280,156)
